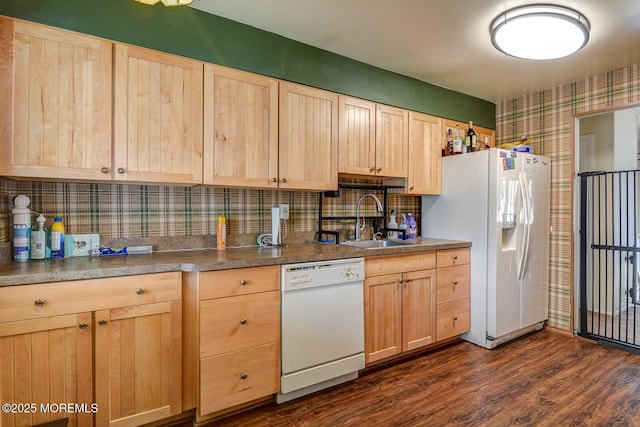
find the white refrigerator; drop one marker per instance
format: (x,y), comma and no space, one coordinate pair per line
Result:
(498,200)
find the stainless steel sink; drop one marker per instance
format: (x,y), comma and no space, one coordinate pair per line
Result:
(374,244)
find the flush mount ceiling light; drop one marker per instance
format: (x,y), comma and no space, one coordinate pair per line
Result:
(539,31)
(167,2)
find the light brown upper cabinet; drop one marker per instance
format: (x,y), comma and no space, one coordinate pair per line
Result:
(373,139)
(240,128)
(308,153)
(158,117)
(425,157)
(55,117)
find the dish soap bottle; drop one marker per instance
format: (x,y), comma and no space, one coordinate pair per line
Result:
(39,235)
(392,224)
(403,226)
(57,238)
(413,226)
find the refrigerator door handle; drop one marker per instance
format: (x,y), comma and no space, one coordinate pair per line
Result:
(525,198)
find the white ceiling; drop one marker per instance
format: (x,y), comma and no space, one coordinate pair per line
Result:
(444,42)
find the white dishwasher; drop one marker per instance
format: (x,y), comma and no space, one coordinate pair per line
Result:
(322,325)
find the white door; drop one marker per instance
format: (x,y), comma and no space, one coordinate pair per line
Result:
(534,303)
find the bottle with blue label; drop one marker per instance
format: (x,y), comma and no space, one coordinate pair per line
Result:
(57,238)
(412,231)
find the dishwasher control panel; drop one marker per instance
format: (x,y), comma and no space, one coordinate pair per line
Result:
(322,273)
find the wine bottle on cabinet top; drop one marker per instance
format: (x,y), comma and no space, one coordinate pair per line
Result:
(471,138)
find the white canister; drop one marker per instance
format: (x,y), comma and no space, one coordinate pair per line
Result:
(21,228)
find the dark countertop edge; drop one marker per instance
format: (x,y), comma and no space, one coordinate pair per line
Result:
(48,271)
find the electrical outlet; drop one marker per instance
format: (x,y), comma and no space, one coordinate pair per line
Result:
(284,211)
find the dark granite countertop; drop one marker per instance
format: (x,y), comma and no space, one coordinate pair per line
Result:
(21,273)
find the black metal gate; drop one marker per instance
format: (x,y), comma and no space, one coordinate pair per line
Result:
(609,310)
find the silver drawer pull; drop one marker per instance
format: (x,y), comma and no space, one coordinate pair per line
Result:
(139,291)
(83,325)
(243,282)
(39,302)
(102,322)
(243,321)
(244,375)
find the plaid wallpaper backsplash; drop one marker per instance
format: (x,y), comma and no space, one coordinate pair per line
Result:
(119,211)
(547,118)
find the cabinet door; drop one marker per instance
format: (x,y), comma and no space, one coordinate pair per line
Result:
(55,86)
(392,141)
(357,145)
(418,309)
(240,128)
(138,358)
(308,157)
(383,317)
(47,361)
(158,117)
(425,157)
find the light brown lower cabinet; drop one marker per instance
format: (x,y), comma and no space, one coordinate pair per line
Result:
(232,338)
(453,293)
(45,361)
(415,300)
(127,330)
(399,304)
(138,363)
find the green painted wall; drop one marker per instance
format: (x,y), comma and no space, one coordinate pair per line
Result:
(190,32)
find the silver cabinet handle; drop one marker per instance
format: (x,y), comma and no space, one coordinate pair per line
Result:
(83,325)
(243,321)
(102,322)
(39,302)
(244,375)
(104,169)
(139,291)
(243,282)
(120,170)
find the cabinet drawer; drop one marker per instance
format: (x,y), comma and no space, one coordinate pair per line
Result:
(452,283)
(235,378)
(453,318)
(234,323)
(52,299)
(240,281)
(449,257)
(392,264)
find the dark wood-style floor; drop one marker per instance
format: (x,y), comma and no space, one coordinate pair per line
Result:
(544,379)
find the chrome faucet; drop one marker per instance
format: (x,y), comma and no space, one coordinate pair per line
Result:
(378,206)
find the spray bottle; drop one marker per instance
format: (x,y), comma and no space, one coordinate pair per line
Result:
(21,228)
